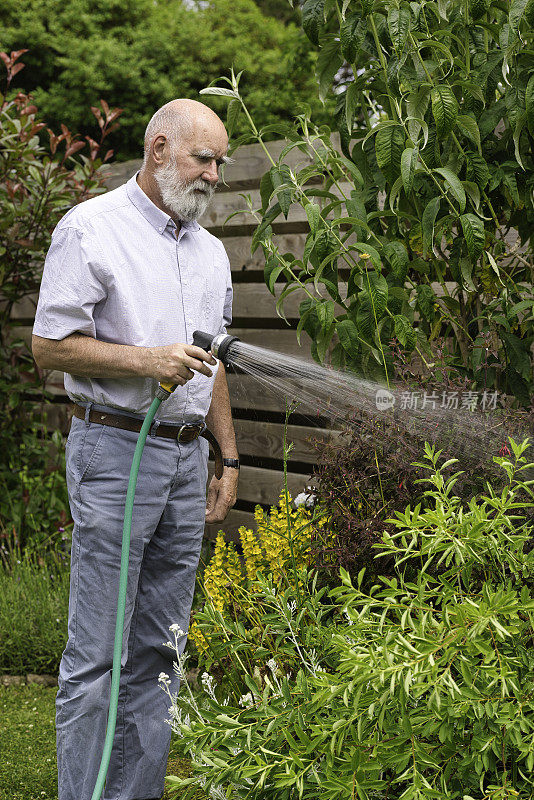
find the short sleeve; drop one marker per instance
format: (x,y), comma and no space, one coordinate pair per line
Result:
(227,311)
(71,286)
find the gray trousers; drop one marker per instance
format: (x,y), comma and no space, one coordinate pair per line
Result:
(168,525)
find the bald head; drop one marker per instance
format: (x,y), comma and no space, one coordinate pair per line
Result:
(179,120)
(185,145)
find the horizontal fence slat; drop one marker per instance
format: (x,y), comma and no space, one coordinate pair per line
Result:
(259,485)
(254,300)
(266,439)
(241,259)
(231,525)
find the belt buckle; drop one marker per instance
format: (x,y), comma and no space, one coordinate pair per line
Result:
(189,428)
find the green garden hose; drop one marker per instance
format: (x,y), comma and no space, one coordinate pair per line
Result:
(121,602)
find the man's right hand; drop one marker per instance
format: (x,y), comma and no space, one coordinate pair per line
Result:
(177,363)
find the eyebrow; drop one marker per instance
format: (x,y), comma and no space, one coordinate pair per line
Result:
(207,153)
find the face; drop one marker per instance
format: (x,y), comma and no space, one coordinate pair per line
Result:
(188,179)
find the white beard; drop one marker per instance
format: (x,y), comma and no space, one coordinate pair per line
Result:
(180,197)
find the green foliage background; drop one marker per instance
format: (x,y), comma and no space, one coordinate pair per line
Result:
(139,54)
(421,213)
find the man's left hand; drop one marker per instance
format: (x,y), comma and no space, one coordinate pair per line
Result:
(222,494)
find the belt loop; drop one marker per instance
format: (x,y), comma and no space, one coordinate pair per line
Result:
(87,412)
(154,427)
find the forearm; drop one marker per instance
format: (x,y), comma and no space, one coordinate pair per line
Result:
(219,417)
(87,357)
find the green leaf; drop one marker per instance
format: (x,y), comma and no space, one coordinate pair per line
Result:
(516,354)
(468,126)
(444,109)
(217,90)
(356,209)
(519,125)
(348,336)
(328,63)
(232,114)
(325,313)
(427,223)
(473,193)
(281,175)
(389,144)
(425,300)
(408,163)
(397,256)
(416,106)
(510,181)
(466,271)
(529,100)
(370,308)
(352,168)
(313,19)
(517,10)
(266,190)
(271,271)
(477,8)
(404,331)
(352,98)
(477,169)
(352,34)
(399,26)
(473,229)
(455,186)
(264,229)
(313,212)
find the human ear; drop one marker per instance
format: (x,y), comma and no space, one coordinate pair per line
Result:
(159,148)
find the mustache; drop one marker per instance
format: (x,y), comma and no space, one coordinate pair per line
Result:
(202,186)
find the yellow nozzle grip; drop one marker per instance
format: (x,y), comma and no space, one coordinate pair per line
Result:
(169,387)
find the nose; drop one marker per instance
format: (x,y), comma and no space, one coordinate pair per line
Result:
(211,173)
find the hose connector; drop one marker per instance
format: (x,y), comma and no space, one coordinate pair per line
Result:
(165,390)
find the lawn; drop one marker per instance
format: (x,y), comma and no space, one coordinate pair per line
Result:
(28,744)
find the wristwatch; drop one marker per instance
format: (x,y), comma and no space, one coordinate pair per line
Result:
(231,462)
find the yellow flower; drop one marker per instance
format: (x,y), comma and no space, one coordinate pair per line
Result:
(251,552)
(201,643)
(214,574)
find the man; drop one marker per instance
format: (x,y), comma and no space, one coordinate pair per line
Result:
(130,275)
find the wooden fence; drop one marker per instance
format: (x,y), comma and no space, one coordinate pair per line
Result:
(258,415)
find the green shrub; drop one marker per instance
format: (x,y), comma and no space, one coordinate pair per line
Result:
(419,685)
(38,184)
(140,54)
(34,599)
(421,226)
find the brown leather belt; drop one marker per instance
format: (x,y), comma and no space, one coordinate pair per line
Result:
(182,433)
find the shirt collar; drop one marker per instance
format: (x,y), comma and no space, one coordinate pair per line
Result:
(157,218)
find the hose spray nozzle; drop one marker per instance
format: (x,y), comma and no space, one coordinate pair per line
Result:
(218,344)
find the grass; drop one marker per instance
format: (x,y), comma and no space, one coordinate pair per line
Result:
(28,768)
(34,598)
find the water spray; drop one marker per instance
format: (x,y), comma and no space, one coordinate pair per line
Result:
(350,400)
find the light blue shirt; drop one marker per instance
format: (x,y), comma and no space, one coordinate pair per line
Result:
(116,271)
